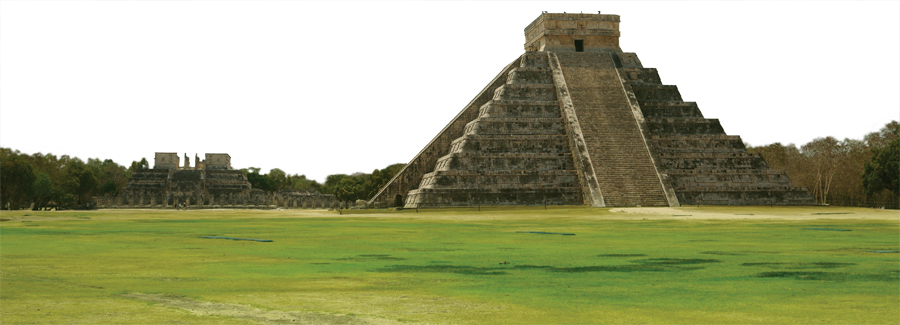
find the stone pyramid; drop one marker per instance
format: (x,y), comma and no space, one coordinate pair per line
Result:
(576,121)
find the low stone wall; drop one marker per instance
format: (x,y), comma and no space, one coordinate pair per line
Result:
(253,199)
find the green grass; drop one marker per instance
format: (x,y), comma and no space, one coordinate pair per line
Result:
(450,266)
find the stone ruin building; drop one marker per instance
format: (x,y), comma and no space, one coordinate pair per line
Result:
(574,120)
(211,183)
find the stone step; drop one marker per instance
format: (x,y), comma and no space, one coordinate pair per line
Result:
(655,92)
(708,189)
(745,196)
(515,126)
(666,109)
(698,144)
(145,186)
(692,172)
(508,109)
(640,75)
(683,126)
(489,144)
(437,197)
(509,161)
(534,59)
(682,181)
(536,92)
(622,163)
(712,160)
(499,179)
(530,76)
(709,155)
(693,137)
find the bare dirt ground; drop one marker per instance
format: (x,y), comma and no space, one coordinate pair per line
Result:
(753,213)
(204,308)
(486,213)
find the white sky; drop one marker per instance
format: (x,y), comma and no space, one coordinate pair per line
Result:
(320,88)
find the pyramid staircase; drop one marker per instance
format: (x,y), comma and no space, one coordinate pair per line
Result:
(515,151)
(621,160)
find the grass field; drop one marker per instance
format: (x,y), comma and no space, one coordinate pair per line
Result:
(712,265)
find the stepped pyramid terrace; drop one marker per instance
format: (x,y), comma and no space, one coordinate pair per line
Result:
(576,121)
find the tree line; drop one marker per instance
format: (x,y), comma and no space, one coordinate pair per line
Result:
(838,172)
(46,180)
(62,181)
(356,186)
(845,172)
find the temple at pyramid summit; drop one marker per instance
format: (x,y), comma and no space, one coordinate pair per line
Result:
(576,121)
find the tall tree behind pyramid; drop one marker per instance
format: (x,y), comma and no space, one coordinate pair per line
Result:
(574,120)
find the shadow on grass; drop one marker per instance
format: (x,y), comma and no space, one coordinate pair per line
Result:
(463,269)
(371,257)
(830,276)
(675,261)
(621,255)
(799,266)
(738,253)
(722,253)
(650,265)
(430,249)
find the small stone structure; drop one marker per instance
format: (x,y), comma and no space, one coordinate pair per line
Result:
(211,183)
(574,120)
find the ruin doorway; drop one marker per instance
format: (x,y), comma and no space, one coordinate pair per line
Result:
(579,45)
(398,200)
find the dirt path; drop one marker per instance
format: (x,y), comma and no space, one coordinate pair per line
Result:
(250,313)
(755,213)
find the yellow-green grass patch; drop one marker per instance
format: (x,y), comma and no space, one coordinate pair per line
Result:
(450,266)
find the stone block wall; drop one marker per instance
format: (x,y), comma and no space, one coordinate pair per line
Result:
(165,160)
(558,32)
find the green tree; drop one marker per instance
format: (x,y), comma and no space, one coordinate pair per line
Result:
(17,178)
(359,186)
(43,189)
(824,155)
(349,188)
(882,172)
(301,183)
(80,181)
(115,174)
(380,178)
(139,165)
(331,183)
(279,179)
(256,180)
(884,136)
(109,187)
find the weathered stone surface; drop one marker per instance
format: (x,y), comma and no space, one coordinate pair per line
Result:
(703,164)
(408,178)
(501,160)
(211,184)
(622,162)
(575,120)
